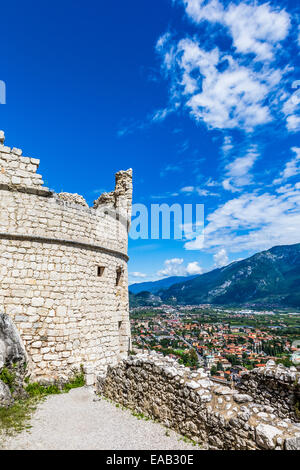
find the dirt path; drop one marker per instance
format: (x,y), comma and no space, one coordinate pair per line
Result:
(75,421)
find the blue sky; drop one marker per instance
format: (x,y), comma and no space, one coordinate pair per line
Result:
(199,97)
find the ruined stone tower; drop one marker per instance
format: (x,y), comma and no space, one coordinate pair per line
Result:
(63,269)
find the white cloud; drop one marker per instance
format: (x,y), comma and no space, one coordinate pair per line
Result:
(253,222)
(210,183)
(221,258)
(230,90)
(166,195)
(162,41)
(199,11)
(131,126)
(226,99)
(189,190)
(292,168)
(175,267)
(237,91)
(161,114)
(238,171)
(257,28)
(228,186)
(291,109)
(170,168)
(293,123)
(254,28)
(137,274)
(205,192)
(194,268)
(227,145)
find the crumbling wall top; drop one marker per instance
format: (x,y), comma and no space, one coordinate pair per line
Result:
(39,212)
(123,188)
(73,198)
(18,172)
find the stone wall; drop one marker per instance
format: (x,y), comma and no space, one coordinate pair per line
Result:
(276,386)
(190,403)
(63,269)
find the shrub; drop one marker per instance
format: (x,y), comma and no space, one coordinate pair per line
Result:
(8,378)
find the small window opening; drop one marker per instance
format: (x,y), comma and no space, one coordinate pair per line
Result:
(119,275)
(100,271)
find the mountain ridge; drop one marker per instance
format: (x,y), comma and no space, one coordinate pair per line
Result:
(270,276)
(155,286)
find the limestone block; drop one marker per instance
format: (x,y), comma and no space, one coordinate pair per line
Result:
(292,443)
(265,436)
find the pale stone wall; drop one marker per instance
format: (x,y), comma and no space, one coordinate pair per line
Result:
(190,403)
(276,386)
(51,246)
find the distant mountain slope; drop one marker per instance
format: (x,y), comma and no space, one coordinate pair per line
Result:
(155,286)
(143,299)
(270,277)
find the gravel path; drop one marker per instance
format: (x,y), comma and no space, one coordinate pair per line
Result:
(75,421)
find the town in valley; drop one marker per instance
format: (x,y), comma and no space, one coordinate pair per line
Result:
(224,341)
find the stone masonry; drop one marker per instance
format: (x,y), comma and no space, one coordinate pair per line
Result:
(276,386)
(189,402)
(63,269)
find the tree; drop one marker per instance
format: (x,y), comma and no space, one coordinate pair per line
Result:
(193,358)
(285,361)
(233,359)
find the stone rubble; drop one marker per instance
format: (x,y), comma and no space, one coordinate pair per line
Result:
(73,199)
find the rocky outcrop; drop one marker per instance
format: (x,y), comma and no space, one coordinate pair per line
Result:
(13,362)
(5,395)
(190,403)
(276,386)
(11,347)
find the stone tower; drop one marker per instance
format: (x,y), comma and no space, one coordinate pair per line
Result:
(63,269)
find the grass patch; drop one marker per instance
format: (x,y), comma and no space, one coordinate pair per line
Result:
(16,418)
(140,416)
(187,440)
(38,390)
(77,381)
